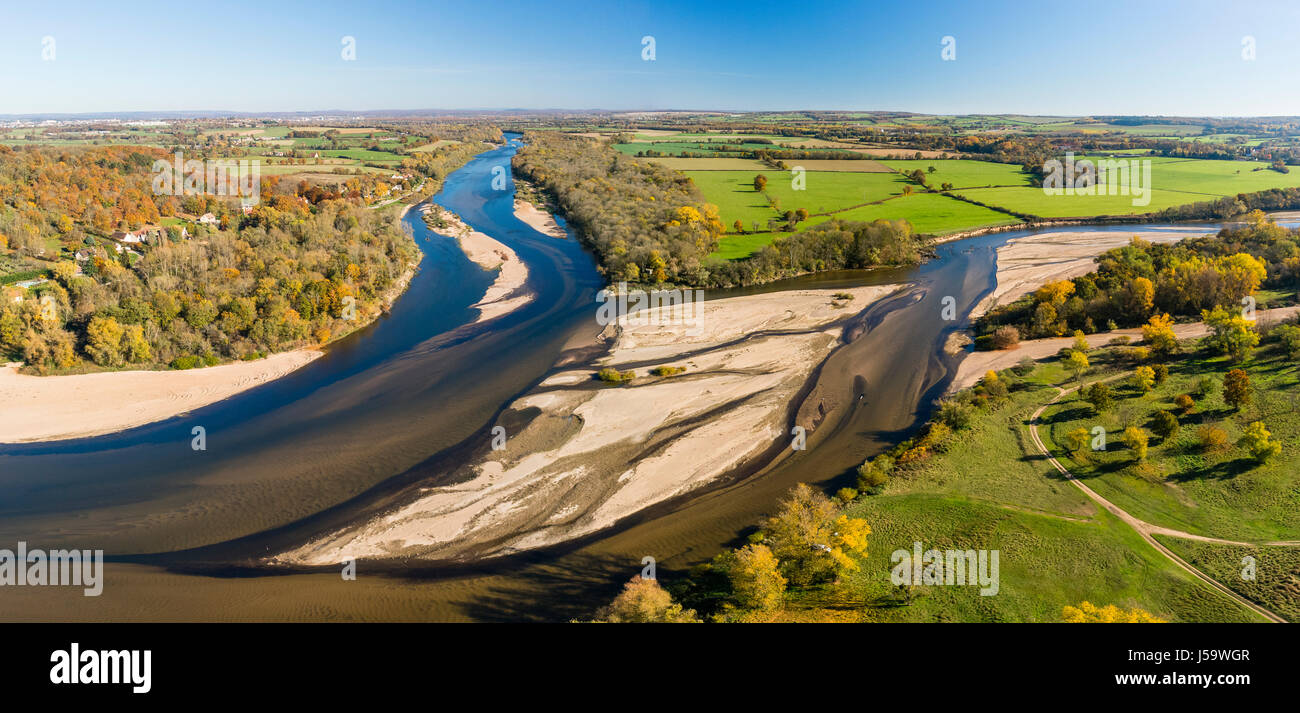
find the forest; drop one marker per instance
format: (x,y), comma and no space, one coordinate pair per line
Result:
(308,264)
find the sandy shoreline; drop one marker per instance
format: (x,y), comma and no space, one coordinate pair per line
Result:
(538,219)
(504,294)
(580,454)
(50,408)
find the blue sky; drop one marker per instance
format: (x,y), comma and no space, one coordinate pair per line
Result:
(1148,57)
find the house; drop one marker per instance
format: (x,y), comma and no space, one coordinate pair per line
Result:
(208,219)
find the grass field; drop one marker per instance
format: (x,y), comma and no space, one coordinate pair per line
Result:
(964,173)
(1277,571)
(1223,495)
(989,491)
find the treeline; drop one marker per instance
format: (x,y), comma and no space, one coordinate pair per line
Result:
(1141,280)
(833,245)
(280,281)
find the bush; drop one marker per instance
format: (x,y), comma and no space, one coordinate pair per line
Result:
(1137,439)
(1205,386)
(955,414)
(1185,403)
(614,376)
(1255,439)
(1164,424)
(846,495)
(1006,337)
(1212,439)
(1161,373)
(667,370)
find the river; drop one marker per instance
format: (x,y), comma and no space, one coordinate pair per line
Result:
(388,405)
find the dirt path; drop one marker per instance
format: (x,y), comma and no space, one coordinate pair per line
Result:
(1145,529)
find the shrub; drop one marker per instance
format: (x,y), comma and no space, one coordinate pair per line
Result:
(1185,403)
(1006,337)
(1099,396)
(1212,439)
(1143,378)
(1161,372)
(667,370)
(956,415)
(614,376)
(1205,386)
(846,495)
(873,474)
(1164,424)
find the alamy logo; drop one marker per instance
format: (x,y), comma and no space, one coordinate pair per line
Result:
(38,568)
(1114,177)
(217,177)
(90,666)
(660,308)
(946,567)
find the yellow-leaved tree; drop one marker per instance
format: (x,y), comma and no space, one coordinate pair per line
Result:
(1088,613)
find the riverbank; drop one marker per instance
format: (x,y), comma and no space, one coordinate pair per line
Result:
(504,295)
(579,454)
(52,408)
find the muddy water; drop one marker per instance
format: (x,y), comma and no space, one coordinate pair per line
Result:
(312,449)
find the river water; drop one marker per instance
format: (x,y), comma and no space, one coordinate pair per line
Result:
(391,404)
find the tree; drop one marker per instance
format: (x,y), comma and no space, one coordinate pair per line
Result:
(1255,439)
(1078,439)
(1088,613)
(104,341)
(1137,439)
(738,226)
(1236,389)
(1164,424)
(1144,378)
(1099,396)
(643,601)
(1159,335)
(1139,298)
(1288,337)
(1161,372)
(1185,403)
(813,542)
(1080,342)
(1231,334)
(760,183)
(755,581)
(1077,363)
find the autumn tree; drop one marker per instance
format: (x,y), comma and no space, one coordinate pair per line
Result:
(1236,388)
(1158,333)
(756,582)
(643,601)
(1256,440)
(1088,613)
(812,540)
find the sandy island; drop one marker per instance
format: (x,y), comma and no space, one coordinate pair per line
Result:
(581,454)
(504,294)
(50,408)
(538,219)
(1026,263)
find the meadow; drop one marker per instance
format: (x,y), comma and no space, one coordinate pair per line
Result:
(1056,548)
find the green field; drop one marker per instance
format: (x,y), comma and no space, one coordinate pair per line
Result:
(988,490)
(964,173)
(1217,495)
